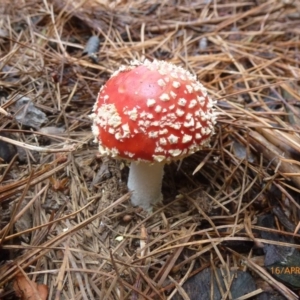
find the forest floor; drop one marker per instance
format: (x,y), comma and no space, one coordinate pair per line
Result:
(229,225)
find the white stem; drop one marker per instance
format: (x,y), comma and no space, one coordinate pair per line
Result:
(145,182)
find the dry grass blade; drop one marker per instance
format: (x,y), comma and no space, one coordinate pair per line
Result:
(37,148)
(250,295)
(4,112)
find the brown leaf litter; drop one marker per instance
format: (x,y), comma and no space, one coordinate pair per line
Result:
(66,221)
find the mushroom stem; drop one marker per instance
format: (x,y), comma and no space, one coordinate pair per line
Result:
(145,182)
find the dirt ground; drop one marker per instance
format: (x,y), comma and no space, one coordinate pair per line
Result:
(229,224)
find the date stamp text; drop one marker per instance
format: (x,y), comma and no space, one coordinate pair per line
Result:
(285,270)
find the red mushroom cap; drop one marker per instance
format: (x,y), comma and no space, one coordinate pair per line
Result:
(152,111)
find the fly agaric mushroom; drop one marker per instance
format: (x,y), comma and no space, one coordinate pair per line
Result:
(151,113)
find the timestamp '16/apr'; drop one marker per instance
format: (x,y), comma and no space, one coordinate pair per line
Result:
(285,270)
